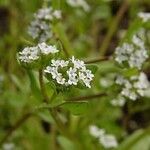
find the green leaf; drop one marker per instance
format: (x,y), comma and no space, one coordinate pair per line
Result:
(34,86)
(130,72)
(93,68)
(137,141)
(17,82)
(65,143)
(134,27)
(58,100)
(76,108)
(45,115)
(60,31)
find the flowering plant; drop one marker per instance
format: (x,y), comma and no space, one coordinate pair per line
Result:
(75,75)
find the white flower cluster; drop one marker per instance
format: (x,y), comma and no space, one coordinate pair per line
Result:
(119,101)
(134,53)
(40,27)
(76,72)
(133,87)
(8,146)
(30,54)
(79,3)
(107,140)
(145,16)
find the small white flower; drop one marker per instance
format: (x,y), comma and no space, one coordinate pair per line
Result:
(60,79)
(59,63)
(78,64)
(120,80)
(57,14)
(119,101)
(8,146)
(44,13)
(79,3)
(72,74)
(86,76)
(47,49)
(76,72)
(31,54)
(40,27)
(108,141)
(40,30)
(145,16)
(95,131)
(133,53)
(133,87)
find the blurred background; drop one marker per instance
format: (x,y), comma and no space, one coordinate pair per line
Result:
(86,34)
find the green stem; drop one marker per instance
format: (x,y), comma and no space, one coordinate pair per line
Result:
(112,29)
(53,112)
(59,31)
(97,60)
(15,127)
(89,97)
(53,138)
(43,90)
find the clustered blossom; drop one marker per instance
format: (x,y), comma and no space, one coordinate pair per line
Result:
(1,82)
(107,140)
(8,146)
(76,72)
(145,16)
(133,53)
(31,54)
(133,87)
(79,3)
(40,27)
(118,101)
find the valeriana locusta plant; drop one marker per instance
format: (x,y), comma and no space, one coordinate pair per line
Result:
(70,72)
(37,56)
(40,28)
(79,3)
(57,75)
(106,140)
(81,59)
(145,16)
(132,56)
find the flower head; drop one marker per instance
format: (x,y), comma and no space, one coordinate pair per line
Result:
(31,54)
(134,53)
(76,72)
(79,3)
(119,101)
(106,140)
(40,27)
(145,16)
(47,49)
(133,87)
(96,132)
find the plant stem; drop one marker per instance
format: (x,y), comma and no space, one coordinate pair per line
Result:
(59,31)
(52,111)
(97,60)
(126,117)
(43,91)
(16,126)
(112,29)
(53,138)
(83,98)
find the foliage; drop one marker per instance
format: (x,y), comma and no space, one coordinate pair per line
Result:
(64,77)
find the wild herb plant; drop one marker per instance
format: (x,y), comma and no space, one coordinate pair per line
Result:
(69,87)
